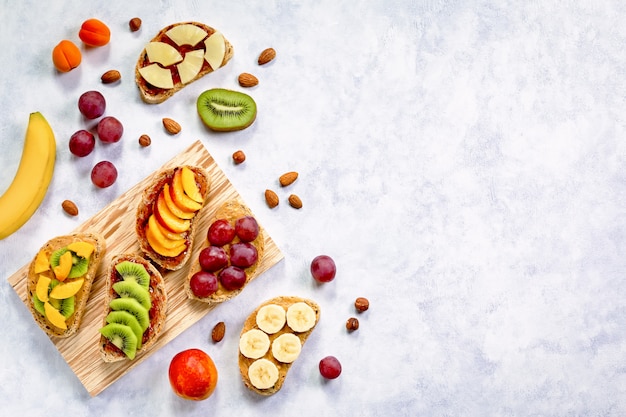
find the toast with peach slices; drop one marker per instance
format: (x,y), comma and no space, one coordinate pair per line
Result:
(60,279)
(178,55)
(167,214)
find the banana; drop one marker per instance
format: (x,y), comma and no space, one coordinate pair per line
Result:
(32,178)
(286,347)
(271,318)
(300,317)
(254,343)
(263,374)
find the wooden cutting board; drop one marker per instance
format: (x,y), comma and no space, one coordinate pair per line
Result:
(116,222)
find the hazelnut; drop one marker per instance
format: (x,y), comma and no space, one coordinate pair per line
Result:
(352,324)
(239,157)
(134,24)
(361,304)
(144,140)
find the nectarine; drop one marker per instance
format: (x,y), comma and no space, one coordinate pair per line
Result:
(193,375)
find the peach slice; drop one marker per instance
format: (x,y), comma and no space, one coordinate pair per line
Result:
(62,270)
(42,287)
(63,291)
(168,219)
(190,186)
(173,207)
(54,316)
(160,237)
(164,231)
(41,263)
(82,249)
(158,248)
(181,199)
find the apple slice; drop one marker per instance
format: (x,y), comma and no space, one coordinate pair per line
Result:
(63,291)
(191,65)
(215,49)
(54,316)
(160,249)
(173,207)
(43,283)
(181,199)
(186,34)
(190,186)
(168,219)
(157,76)
(163,53)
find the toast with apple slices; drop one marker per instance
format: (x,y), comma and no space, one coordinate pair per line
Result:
(271,340)
(60,279)
(178,55)
(135,308)
(230,212)
(167,212)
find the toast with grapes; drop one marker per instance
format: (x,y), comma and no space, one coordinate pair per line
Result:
(135,308)
(167,214)
(229,256)
(60,279)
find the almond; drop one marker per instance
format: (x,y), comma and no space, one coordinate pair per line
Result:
(247,80)
(288,178)
(134,24)
(70,207)
(266,56)
(171,126)
(218,332)
(144,140)
(111,76)
(295,202)
(271,198)
(239,157)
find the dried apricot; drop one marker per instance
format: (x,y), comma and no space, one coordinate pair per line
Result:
(93,32)
(66,56)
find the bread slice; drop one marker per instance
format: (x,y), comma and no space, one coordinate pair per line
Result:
(231,211)
(283,368)
(158,311)
(73,322)
(154,95)
(146,208)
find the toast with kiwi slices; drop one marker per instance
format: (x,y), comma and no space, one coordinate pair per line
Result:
(229,256)
(167,214)
(135,308)
(178,55)
(271,340)
(60,279)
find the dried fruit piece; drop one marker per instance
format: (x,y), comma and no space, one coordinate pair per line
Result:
(134,24)
(111,76)
(93,32)
(266,56)
(70,207)
(295,202)
(352,324)
(271,198)
(361,304)
(288,178)
(239,157)
(247,80)
(218,332)
(66,56)
(171,126)
(144,140)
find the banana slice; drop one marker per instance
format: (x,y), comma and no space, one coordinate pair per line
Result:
(286,347)
(254,343)
(271,318)
(300,317)
(263,374)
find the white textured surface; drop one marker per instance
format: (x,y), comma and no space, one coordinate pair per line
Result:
(462,161)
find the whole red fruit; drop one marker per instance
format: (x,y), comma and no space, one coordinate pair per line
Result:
(193,375)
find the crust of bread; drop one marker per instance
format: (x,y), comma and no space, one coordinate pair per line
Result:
(157,316)
(74,321)
(145,209)
(160,95)
(231,211)
(283,368)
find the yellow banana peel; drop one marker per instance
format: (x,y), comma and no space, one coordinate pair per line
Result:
(30,185)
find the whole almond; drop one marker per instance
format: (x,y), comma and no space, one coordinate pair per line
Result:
(218,332)
(295,201)
(247,80)
(110,76)
(271,198)
(288,178)
(70,207)
(266,56)
(134,24)
(144,140)
(171,126)
(239,157)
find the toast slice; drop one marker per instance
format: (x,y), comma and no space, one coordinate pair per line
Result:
(230,211)
(169,249)
(40,269)
(157,312)
(246,364)
(191,51)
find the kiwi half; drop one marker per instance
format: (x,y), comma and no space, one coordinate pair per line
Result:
(226,110)
(132,271)
(133,290)
(121,336)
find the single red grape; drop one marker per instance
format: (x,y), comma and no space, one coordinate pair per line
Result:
(232,278)
(82,143)
(323,268)
(220,232)
(247,228)
(330,368)
(243,254)
(103,174)
(91,104)
(110,129)
(203,284)
(213,258)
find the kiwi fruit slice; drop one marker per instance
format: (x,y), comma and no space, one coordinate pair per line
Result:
(65,306)
(127,319)
(38,304)
(132,271)
(226,110)
(121,336)
(133,290)
(133,307)
(80,265)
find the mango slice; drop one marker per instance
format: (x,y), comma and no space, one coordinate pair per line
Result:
(41,263)
(63,291)
(82,249)
(65,265)
(54,316)
(42,287)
